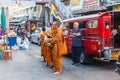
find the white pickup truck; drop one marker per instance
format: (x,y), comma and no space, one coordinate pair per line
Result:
(35,36)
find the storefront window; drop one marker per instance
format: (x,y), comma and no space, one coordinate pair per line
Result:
(115,8)
(92,24)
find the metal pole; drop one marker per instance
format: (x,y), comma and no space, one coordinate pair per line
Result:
(7,19)
(7,24)
(113,25)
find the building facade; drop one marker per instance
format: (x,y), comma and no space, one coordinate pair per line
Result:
(22,11)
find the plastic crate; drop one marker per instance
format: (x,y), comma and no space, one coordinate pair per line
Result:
(7,55)
(21,48)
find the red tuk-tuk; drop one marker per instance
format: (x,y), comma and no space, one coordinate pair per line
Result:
(97,39)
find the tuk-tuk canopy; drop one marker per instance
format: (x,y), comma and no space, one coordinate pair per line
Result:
(84,18)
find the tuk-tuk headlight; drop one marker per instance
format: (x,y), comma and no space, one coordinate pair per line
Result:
(107,27)
(107,24)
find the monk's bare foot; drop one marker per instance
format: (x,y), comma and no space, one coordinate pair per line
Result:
(56,73)
(47,65)
(51,66)
(43,61)
(54,70)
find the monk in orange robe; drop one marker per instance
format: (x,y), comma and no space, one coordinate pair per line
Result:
(43,49)
(47,48)
(46,53)
(57,41)
(48,58)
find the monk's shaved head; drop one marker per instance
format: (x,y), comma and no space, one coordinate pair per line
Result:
(56,23)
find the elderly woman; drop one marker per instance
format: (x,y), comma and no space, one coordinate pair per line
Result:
(25,42)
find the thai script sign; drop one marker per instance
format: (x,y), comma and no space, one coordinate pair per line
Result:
(76,4)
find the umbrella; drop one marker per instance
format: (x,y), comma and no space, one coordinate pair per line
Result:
(7,19)
(3,21)
(3,18)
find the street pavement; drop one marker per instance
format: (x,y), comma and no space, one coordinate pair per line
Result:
(28,65)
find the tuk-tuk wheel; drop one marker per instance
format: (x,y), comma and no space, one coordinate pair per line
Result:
(84,58)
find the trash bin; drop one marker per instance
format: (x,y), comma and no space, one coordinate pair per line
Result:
(12,41)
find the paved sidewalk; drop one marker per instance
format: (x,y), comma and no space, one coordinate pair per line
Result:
(28,65)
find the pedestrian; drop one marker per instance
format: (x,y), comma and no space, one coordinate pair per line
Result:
(118,65)
(56,44)
(12,42)
(25,42)
(76,34)
(116,33)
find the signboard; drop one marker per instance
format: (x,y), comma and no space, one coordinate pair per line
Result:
(82,6)
(76,4)
(90,4)
(116,8)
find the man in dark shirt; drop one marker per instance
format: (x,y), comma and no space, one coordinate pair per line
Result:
(76,43)
(116,33)
(118,36)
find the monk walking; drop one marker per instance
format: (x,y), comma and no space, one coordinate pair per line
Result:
(48,57)
(57,42)
(45,48)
